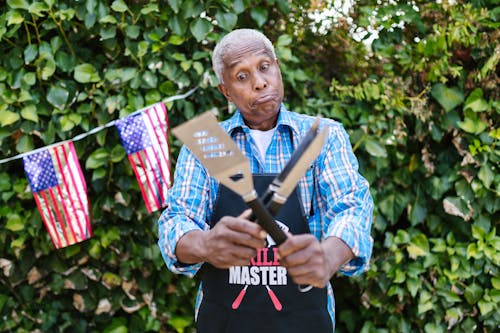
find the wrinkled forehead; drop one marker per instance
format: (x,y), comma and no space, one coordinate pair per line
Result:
(238,52)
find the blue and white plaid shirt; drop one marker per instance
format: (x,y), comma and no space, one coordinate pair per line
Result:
(340,198)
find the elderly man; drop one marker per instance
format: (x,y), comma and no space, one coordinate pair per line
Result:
(249,284)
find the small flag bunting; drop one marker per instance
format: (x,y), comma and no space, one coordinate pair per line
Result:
(144,136)
(60,193)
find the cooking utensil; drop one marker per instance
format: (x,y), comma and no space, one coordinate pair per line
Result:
(225,162)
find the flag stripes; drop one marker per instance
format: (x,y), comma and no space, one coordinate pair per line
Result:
(144,137)
(60,193)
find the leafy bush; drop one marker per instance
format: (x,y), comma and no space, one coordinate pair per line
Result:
(421,106)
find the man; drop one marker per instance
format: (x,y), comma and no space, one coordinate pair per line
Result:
(249,284)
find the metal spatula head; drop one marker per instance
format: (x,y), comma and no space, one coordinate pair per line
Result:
(217,152)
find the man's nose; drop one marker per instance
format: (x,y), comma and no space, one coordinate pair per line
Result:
(260,82)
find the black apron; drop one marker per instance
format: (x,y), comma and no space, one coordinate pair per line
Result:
(261,297)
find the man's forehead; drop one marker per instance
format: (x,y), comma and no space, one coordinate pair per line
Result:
(236,55)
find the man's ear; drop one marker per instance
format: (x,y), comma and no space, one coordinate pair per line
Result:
(223,90)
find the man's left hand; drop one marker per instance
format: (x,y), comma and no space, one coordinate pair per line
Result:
(310,262)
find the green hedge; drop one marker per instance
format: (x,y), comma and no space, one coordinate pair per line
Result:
(421,105)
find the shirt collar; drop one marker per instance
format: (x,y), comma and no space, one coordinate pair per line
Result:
(285,119)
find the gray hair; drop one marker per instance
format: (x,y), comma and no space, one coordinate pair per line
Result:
(232,41)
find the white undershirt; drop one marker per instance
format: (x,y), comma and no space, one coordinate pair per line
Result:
(263,140)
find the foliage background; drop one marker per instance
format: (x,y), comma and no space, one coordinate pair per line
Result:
(421,104)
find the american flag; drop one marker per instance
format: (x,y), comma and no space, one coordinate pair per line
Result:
(144,136)
(60,192)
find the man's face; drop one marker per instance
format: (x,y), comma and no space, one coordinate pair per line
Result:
(252,81)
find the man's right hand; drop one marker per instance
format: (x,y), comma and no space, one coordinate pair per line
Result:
(232,242)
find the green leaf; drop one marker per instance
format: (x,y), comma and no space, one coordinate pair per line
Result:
(259,15)
(106,238)
(58,96)
(18,4)
(142,48)
(486,307)
(97,159)
(111,280)
(180,323)
(85,73)
(14,17)
(108,33)
(149,8)
(150,79)
(375,149)
(478,105)
(118,153)
(175,5)
(473,293)
(8,117)
(118,325)
(65,61)
(46,64)
(108,19)
(133,31)
(455,206)
(176,40)
(29,113)
(495,282)
(29,78)
(192,8)
(491,63)
(200,28)
(90,19)
(284,40)
(25,144)
(418,213)
(433,328)
(121,75)
(30,53)
(99,173)
(448,98)
(238,6)
(67,123)
(178,25)
(14,223)
(472,125)
(486,175)
(226,21)
(413,286)
(38,8)
(50,2)
(418,247)
(119,6)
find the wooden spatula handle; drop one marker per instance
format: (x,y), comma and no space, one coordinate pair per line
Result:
(266,220)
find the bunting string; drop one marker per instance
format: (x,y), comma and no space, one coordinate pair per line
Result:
(58,185)
(95,130)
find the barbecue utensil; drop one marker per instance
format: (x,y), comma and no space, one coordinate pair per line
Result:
(219,154)
(225,162)
(285,182)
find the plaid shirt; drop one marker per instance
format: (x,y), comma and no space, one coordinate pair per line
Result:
(335,197)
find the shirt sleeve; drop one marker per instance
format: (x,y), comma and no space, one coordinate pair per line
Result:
(345,200)
(187,207)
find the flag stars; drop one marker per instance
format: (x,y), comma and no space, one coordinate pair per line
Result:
(133,133)
(40,171)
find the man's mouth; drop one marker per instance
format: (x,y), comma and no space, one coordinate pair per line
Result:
(264,99)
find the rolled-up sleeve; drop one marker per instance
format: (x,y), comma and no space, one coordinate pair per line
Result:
(187,206)
(346,200)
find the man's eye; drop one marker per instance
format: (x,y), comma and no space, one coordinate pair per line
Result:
(264,66)
(241,76)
